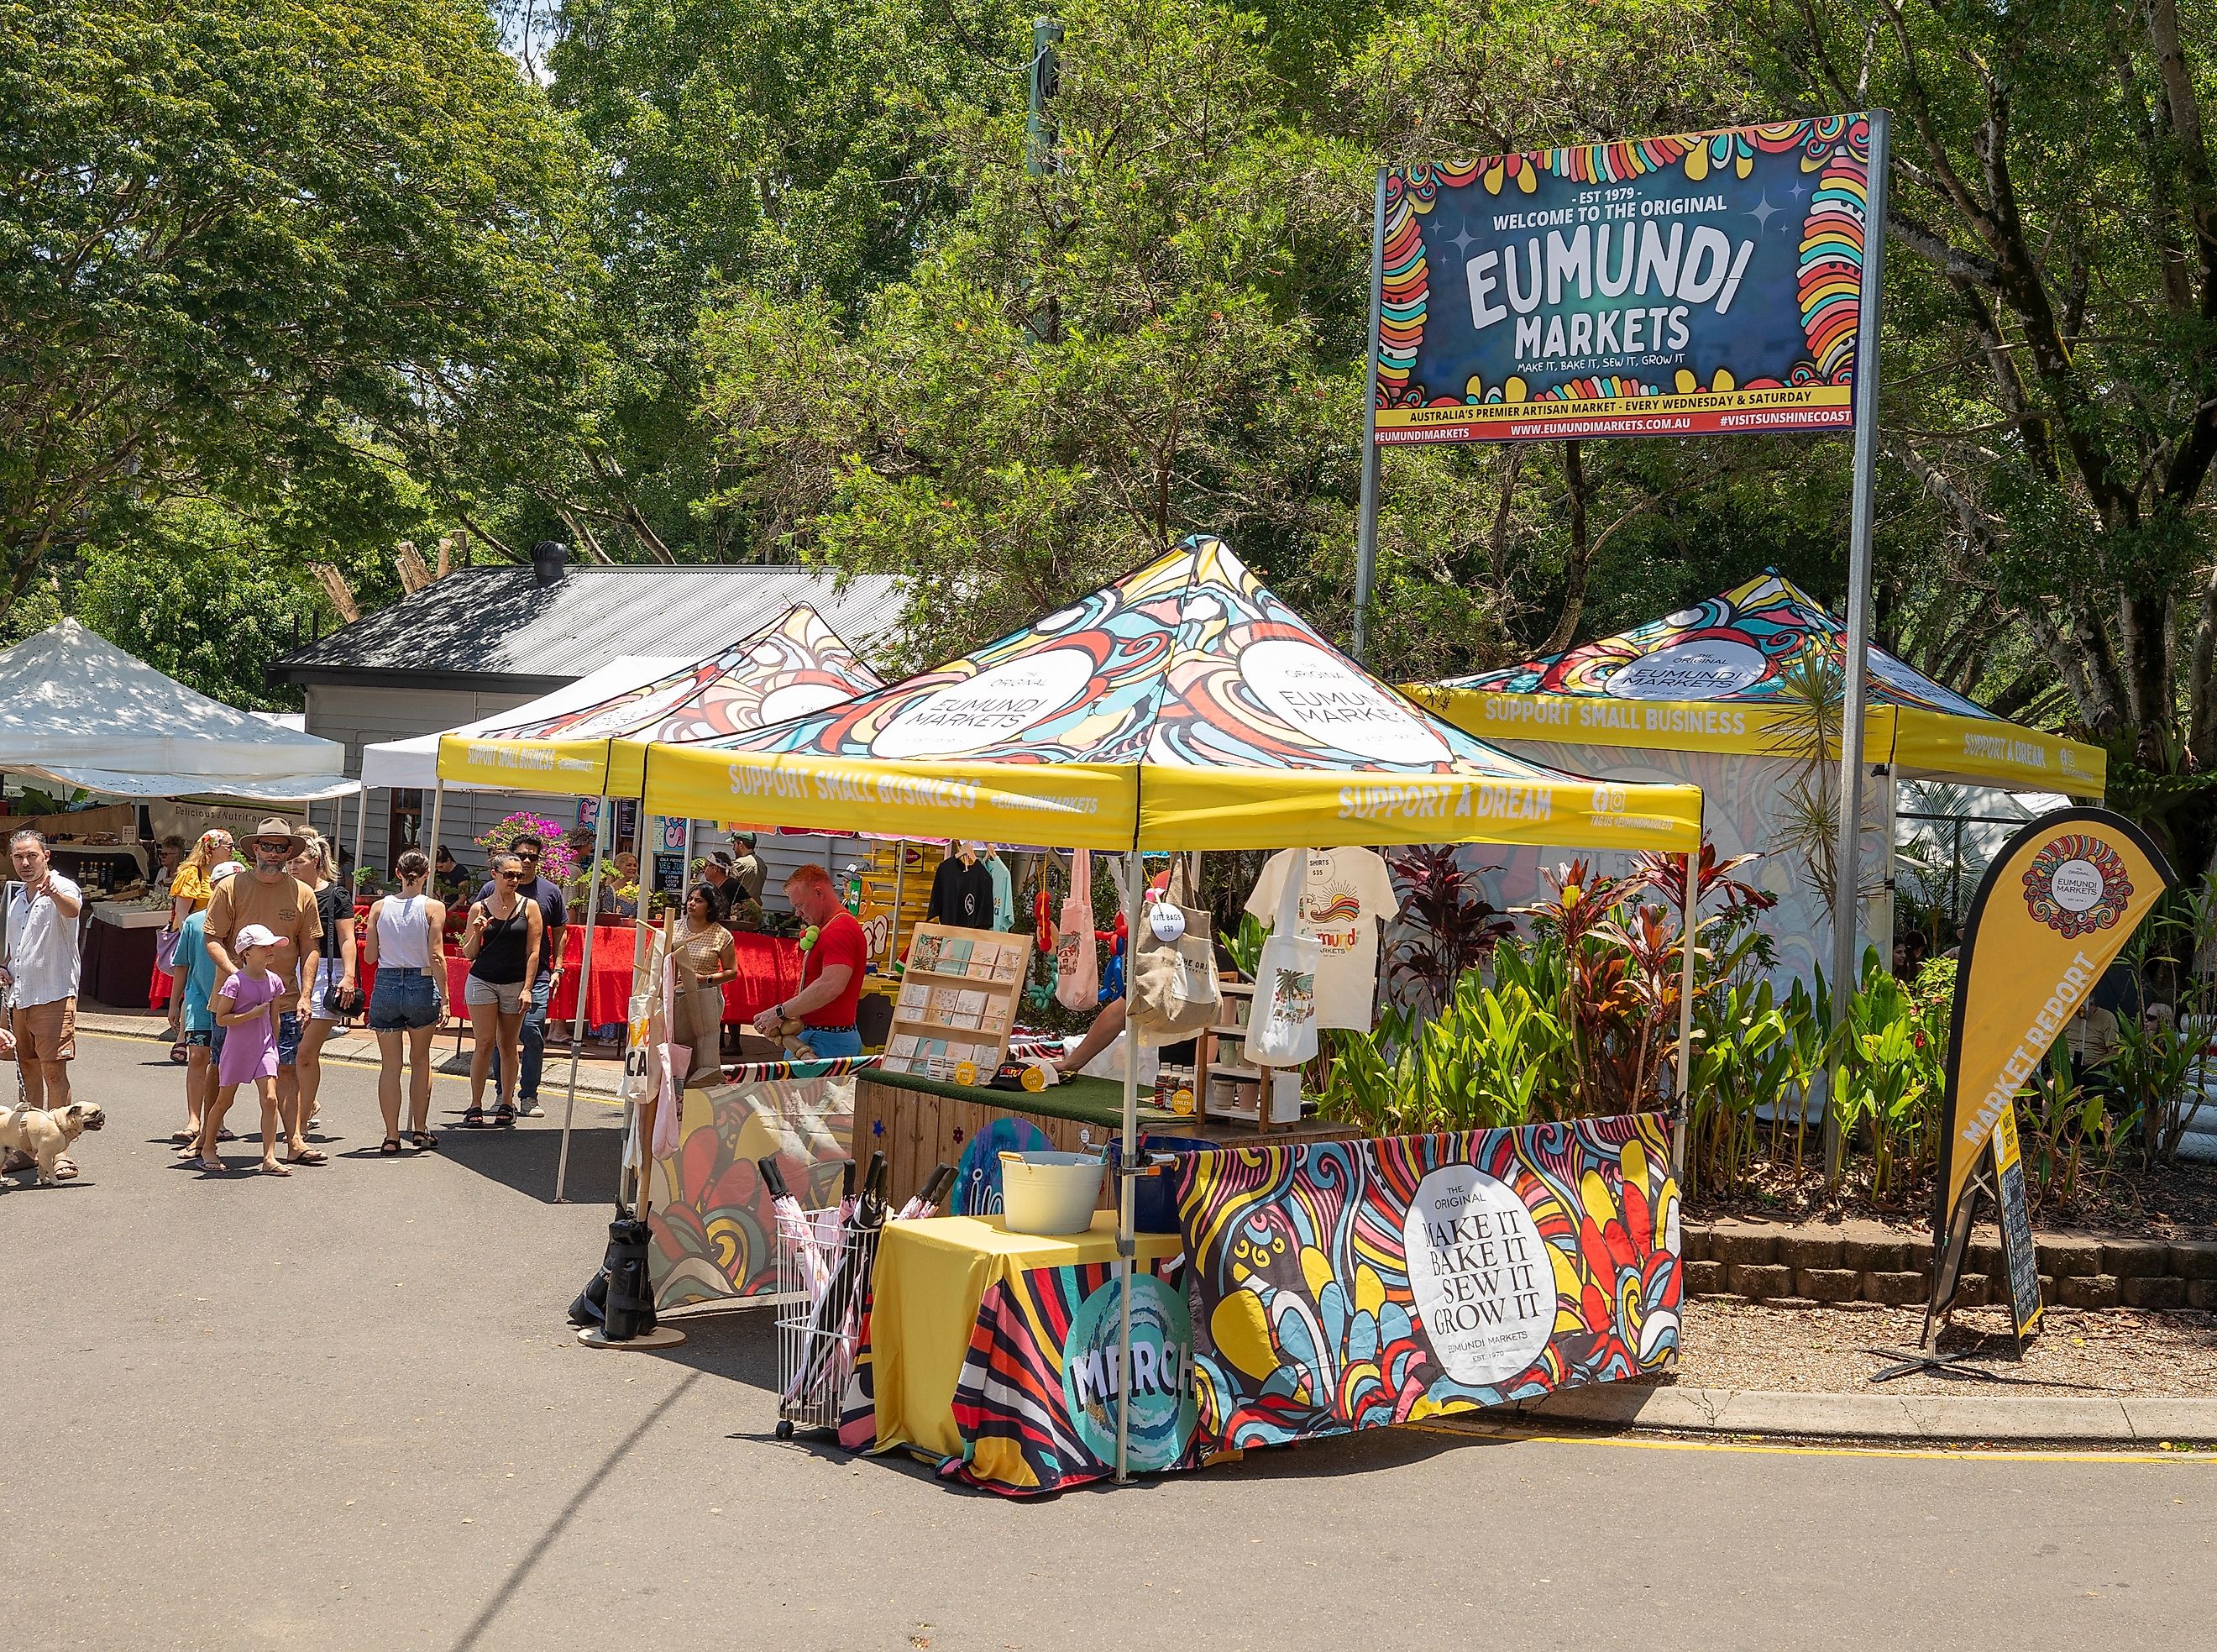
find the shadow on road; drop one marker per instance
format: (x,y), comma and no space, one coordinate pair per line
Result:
(525,1158)
(546,1539)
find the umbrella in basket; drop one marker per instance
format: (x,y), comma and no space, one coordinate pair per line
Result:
(925,1202)
(832,1328)
(795,1228)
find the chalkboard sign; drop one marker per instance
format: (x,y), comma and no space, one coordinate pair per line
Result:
(2019,1255)
(669,874)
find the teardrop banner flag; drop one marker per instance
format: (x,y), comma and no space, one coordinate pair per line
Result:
(2057,906)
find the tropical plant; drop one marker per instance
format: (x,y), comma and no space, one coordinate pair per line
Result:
(558,861)
(1447,925)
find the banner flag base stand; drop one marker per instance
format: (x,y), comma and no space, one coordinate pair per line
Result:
(663,1336)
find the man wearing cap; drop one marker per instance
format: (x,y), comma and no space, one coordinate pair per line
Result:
(272,897)
(42,971)
(747,868)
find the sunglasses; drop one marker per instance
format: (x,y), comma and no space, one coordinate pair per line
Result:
(272,845)
(511,877)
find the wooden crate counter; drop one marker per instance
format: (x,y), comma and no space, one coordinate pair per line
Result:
(918,1123)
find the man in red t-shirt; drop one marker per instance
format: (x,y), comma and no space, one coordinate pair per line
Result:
(831,971)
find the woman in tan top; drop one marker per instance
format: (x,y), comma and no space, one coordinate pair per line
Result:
(706,958)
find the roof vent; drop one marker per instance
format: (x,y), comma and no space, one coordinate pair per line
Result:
(548,557)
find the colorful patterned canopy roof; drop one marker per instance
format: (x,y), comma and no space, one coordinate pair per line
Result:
(1737,646)
(795,664)
(1185,705)
(1713,677)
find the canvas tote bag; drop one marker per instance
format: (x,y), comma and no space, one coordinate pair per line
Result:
(1174,987)
(1282,1030)
(1076,960)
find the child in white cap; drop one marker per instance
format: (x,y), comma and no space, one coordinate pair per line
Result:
(246,1010)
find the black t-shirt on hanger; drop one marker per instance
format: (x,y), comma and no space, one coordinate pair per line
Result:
(961,896)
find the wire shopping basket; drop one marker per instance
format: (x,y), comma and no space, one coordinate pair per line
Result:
(823,1272)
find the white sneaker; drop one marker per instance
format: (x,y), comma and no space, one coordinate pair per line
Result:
(530,1109)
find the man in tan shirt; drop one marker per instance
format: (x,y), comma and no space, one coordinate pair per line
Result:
(281,903)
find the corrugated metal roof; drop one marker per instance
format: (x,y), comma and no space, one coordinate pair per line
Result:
(495,622)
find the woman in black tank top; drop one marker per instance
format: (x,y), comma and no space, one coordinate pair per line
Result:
(502,944)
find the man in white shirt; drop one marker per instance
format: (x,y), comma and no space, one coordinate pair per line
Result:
(42,973)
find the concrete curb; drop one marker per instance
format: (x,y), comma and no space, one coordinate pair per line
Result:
(1926,1418)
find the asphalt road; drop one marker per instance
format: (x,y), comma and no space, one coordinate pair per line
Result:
(343,1411)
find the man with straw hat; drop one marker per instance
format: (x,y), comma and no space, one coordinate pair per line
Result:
(272,897)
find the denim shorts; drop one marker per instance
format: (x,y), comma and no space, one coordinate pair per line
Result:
(403,999)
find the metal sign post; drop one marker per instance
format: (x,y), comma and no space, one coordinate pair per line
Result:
(1366,532)
(1855,667)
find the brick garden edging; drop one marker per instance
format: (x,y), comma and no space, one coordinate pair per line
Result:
(1868,1262)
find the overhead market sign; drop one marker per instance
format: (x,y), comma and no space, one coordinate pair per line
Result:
(1664,286)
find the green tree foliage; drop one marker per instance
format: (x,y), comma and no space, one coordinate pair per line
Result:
(2052,352)
(782,149)
(307,258)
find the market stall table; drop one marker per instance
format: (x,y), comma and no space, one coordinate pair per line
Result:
(770,970)
(119,953)
(943,1370)
(918,1123)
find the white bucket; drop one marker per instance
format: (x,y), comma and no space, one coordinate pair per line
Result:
(1049,1193)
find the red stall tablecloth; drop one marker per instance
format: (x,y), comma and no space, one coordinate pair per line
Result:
(770,970)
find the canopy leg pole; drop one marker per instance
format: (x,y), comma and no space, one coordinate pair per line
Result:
(584,990)
(360,820)
(892,924)
(429,841)
(1135,883)
(1686,937)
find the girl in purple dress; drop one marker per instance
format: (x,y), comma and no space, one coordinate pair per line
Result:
(246,1010)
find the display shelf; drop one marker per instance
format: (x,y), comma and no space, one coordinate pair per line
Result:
(945,1016)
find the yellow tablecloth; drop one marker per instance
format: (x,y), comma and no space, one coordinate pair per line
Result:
(931,1277)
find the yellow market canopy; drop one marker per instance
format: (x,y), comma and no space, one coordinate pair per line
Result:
(1183,707)
(794,664)
(1712,677)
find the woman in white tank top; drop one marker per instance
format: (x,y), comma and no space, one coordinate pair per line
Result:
(406,948)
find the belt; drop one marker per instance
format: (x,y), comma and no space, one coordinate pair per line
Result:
(810,1026)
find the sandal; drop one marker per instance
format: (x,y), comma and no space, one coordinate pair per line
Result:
(308,1156)
(391,1146)
(474,1119)
(425,1141)
(177,1054)
(503,1116)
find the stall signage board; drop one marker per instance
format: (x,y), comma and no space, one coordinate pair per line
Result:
(1673,286)
(2019,1254)
(670,873)
(1356,1285)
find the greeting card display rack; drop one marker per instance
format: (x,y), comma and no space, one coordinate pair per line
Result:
(957,1003)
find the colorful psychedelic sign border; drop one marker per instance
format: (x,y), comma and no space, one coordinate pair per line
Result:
(1340,1285)
(1701,283)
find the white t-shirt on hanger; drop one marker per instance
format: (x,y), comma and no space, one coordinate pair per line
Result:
(1346,894)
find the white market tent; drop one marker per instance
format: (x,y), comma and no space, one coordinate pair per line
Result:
(77,709)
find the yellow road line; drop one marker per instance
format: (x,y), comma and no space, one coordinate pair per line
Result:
(1784,1448)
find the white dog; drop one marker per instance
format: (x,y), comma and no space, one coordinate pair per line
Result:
(44,1133)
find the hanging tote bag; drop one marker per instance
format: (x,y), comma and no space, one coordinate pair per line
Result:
(1283,1031)
(1077,961)
(165,949)
(1174,986)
